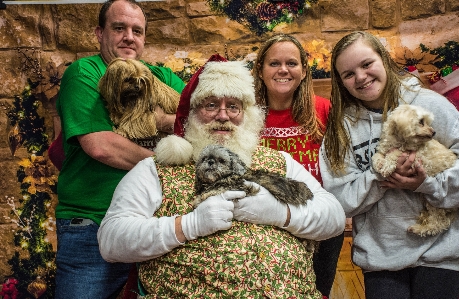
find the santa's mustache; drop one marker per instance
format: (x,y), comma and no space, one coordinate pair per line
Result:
(219,126)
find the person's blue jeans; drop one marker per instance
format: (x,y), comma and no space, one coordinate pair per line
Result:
(81,270)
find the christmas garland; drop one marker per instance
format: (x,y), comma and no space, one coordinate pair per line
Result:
(261,16)
(33,261)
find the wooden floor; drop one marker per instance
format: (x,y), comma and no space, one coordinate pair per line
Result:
(349,279)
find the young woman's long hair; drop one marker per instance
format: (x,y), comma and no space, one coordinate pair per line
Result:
(303,106)
(337,141)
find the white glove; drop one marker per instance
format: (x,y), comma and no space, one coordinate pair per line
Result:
(262,208)
(213,214)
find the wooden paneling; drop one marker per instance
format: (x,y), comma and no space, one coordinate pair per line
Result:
(322,87)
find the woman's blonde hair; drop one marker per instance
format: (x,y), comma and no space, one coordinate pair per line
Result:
(337,141)
(303,106)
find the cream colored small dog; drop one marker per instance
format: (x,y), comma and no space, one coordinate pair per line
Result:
(408,128)
(132,94)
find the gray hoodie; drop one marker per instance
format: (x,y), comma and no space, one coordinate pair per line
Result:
(381,217)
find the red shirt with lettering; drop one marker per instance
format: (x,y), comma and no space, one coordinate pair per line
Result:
(283,133)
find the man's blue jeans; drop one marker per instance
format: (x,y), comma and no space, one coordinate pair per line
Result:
(81,270)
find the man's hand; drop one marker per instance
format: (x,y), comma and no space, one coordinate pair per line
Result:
(262,208)
(212,215)
(164,122)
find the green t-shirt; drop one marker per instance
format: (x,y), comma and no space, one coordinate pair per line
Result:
(86,186)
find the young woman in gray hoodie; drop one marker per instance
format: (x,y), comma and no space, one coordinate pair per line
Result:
(366,86)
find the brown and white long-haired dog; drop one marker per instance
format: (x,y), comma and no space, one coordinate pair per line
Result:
(132,93)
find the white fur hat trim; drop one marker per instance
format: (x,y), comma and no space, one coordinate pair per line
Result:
(225,79)
(173,150)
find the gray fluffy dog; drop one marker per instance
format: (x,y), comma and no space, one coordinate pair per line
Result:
(218,169)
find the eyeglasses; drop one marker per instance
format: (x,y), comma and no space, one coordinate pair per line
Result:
(212,109)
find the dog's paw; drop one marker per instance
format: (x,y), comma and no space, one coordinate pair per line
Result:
(382,166)
(428,227)
(432,221)
(377,161)
(251,189)
(387,169)
(425,231)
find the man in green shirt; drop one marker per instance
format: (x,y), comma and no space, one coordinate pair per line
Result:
(96,157)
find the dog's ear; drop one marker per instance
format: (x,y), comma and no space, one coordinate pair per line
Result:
(108,87)
(237,165)
(397,121)
(390,127)
(426,116)
(104,86)
(143,70)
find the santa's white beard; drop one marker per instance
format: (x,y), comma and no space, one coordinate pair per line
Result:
(242,140)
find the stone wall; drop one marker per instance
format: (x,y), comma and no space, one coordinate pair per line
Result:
(63,33)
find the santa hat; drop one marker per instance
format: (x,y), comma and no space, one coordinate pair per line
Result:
(217,77)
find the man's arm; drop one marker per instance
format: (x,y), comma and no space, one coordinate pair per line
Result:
(113,149)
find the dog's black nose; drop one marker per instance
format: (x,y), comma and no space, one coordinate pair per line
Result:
(433,133)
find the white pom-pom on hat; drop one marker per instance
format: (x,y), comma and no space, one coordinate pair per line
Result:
(173,150)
